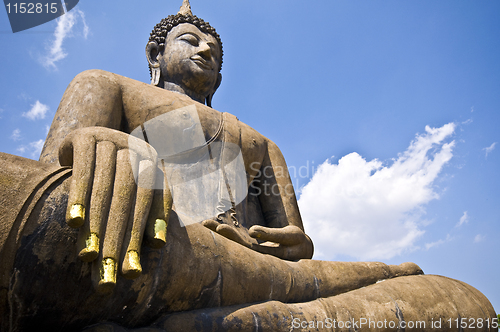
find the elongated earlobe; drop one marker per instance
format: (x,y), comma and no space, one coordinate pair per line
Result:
(155,75)
(152,51)
(208,100)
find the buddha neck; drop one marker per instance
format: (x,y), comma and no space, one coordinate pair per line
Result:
(177,88)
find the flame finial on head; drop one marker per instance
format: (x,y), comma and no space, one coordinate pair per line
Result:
(186,8)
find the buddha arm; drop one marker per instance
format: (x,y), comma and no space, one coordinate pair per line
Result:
(280,210)
(88,135)
(93,98)
(277,197)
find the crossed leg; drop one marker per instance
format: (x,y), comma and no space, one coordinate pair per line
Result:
(197,271)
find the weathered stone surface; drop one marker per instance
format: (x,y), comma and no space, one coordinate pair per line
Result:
(196,269)
(421,303)
(72,225)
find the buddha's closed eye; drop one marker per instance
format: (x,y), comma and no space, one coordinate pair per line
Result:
(189,38)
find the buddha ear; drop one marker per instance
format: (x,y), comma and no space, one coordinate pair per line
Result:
(152,52)
(218,82)
(216,86)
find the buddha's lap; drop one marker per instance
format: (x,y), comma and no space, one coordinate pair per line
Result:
(48,285)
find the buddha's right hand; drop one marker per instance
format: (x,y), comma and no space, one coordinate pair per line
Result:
(113,200)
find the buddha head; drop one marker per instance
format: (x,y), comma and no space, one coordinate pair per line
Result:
(185,55)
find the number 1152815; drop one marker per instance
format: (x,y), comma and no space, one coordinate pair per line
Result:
(473,323)
(31,8)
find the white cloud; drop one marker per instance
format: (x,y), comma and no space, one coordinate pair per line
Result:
(479,238)
(37,111)
(434,244)
(86,29)
(64,26)
(438,243)
(489,149)
(16,135)
(33,149)
(36,147)
(463,219)
(24,96)
(371,211)
(63,30)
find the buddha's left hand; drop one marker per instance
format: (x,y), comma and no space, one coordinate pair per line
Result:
(289,242)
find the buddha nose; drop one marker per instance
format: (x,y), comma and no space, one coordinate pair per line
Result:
(205,50)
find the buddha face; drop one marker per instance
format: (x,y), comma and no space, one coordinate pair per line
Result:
(191,59)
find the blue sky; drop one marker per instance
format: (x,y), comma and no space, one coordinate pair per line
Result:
(395,104)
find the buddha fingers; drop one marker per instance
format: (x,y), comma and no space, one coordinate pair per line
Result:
(123,191)
(81,154)
(111,193)
(156,228)
(289,235)
(131,267)
(99,201)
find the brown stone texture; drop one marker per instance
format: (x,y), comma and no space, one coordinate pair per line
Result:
(72,225)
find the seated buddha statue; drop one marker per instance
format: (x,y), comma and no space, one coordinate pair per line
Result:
(150,210)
